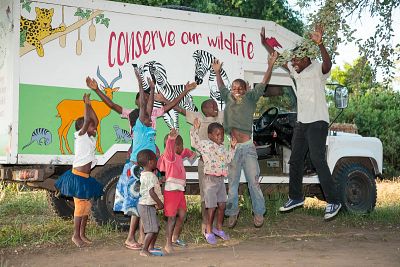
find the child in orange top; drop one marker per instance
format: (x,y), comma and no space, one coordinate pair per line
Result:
(171,162)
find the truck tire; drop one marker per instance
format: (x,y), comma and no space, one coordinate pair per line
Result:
(102,209)
(62,207)
(357,188)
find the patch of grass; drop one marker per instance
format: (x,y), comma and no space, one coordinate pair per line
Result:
(25,219)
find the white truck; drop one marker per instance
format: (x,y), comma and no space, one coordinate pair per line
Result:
(47,48)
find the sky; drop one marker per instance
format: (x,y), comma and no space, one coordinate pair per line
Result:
(365,28)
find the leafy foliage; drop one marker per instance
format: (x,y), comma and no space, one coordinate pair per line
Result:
(85,14)
(274,10)
(26,4)
(378,49)
(22,38)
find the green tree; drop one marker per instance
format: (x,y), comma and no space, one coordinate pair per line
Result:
(333,14)
(273,10)
(358,77)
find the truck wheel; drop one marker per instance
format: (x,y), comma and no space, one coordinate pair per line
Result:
(357,188)
(62,207)
(103,212)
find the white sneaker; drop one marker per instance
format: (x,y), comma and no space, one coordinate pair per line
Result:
(332,210)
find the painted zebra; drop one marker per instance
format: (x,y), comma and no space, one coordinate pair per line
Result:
(203,61)
(158,72)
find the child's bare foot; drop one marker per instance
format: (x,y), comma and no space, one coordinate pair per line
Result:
(169,249)
(86,240)
(145,253)
(78,241)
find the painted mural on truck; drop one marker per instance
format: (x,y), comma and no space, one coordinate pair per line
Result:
(60,45)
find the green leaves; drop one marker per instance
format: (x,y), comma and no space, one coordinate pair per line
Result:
(26,4)
(85,14)
(22,38)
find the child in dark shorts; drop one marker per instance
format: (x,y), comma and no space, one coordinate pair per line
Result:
(216,159)
(150,200)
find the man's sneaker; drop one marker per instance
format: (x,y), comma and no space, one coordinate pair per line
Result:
(291,204)
(331,210)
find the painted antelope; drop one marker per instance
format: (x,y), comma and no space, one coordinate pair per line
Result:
(70,110)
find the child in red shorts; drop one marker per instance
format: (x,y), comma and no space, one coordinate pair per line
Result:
(171,162)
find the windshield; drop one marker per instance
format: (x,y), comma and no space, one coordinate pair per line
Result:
(279,96)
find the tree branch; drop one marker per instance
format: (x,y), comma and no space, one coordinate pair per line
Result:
(28,47)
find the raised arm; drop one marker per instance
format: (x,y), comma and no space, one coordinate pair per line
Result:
(269,48)
(86,116)
(169,151)
(188,87)
(271,61)
(316,36)
(161,98)
(150,101)
(142,101)
(92,84)
(217,65)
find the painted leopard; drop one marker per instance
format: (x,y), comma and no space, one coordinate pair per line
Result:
(39,28)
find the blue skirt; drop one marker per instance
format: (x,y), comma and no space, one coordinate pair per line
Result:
(72,185)
(127,192)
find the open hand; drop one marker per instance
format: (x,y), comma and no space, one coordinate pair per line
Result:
(91,83)
(190,86)
(216,65)
(196,123)
(316,36)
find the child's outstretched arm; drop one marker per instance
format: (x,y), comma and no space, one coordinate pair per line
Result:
(271,61)
(316,36)
(93,116)
(142,101)
(150,101)
(86,116)
(174,103)
(169,152)
(195,138)
(92,84)
(217,65)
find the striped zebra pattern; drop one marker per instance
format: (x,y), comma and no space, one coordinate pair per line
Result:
(203,65)
(158,72)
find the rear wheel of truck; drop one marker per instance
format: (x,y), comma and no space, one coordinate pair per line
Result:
(62,207)
(357,188)
(103,212)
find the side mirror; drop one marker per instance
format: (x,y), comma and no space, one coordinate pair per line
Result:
(341,97)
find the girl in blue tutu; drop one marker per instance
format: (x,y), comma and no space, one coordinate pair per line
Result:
(77,182)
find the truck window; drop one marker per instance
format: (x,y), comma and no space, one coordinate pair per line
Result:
(280,96)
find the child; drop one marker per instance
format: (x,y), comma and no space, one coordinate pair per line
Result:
(126,183)
(150,200)
(216,160)
(171,162)
(238,122)
(210,114)
(77,182)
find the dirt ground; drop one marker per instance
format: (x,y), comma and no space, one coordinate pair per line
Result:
(298,240)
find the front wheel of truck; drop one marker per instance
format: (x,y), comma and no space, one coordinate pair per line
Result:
(357,188)
(103,212)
